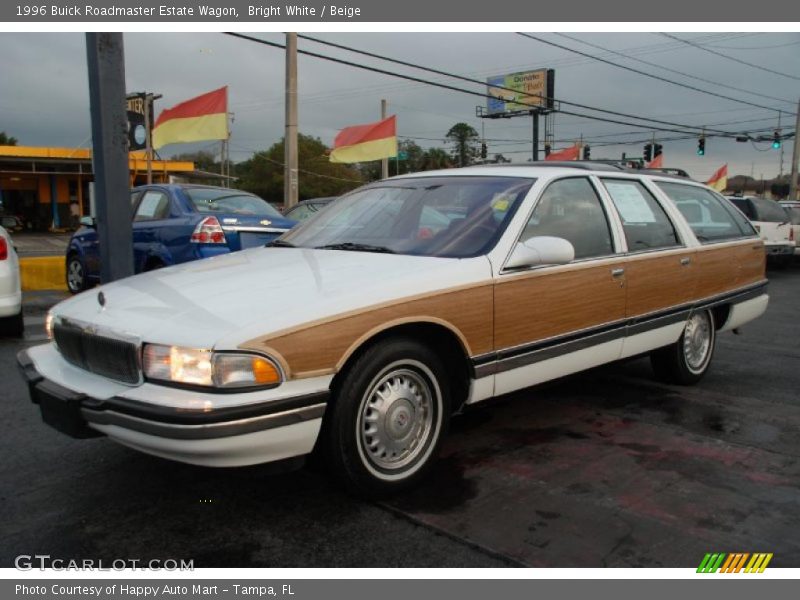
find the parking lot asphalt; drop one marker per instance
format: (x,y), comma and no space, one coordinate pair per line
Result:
(605,468)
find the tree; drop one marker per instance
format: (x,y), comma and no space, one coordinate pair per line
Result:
(435,158)
(464,137)
(7,140)
(262,174)
(203,160)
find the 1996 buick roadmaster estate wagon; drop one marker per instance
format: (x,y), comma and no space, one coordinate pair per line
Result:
(360,332)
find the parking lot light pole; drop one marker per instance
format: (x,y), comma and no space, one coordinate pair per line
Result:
(106,66)
(290,183)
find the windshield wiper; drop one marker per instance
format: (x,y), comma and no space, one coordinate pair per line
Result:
(279,244)
(356,247)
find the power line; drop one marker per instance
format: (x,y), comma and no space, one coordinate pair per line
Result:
(734,59)
(482,83)
(651,64)
(646,74)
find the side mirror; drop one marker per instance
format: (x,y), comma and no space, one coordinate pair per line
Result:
(87,222)
(541,250)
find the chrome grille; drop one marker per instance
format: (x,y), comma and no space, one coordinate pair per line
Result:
(106,356)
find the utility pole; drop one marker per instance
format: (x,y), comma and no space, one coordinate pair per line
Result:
(795,157)
(290,183)
(384,161)
(535,136)
(148,149)
(105,60)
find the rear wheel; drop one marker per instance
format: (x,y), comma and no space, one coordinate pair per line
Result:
(388,418)
(687,361)
(76,274)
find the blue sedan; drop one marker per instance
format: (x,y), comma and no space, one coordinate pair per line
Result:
(176,223)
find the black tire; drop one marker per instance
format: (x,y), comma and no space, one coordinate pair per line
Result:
(379,446)
(76,275)
(686,361)
(13,326)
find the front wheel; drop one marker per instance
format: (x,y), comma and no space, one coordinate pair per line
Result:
(388,418)
(76,275)
(687,361)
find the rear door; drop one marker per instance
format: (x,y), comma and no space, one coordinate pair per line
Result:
(659,269)
(152,214)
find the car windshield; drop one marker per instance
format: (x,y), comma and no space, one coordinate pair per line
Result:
(456,217)
(230,202)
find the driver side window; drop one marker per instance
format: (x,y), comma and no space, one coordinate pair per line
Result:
(571,209)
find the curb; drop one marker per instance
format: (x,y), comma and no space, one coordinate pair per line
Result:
(42,273)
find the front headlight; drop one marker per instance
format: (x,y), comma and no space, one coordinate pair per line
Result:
(195,366)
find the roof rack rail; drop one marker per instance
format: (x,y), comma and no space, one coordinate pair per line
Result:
(584,165)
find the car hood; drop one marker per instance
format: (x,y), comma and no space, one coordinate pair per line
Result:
(223,301)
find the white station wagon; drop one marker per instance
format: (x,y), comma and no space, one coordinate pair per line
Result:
(360,332)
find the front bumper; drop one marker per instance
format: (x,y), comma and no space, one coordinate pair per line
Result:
(227,436)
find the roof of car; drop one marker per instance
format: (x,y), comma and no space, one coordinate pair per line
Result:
(190,186)
(541,168)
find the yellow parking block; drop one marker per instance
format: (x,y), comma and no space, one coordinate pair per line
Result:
(42,273)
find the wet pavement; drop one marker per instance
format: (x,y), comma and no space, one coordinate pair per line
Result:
(606,468)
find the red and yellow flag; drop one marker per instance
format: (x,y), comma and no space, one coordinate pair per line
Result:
(196,120)
(719,180)
(370,141)
(567,154)
(656,163)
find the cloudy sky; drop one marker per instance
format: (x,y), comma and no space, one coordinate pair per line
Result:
(44,101)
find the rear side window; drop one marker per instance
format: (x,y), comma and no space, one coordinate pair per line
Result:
(154,205)
(711,217)
(646,224)
(769,211)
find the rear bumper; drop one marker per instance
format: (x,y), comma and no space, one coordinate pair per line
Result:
(10,304)
(231,436)
(780,249)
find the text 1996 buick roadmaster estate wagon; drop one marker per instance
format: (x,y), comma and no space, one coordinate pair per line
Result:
(359,333)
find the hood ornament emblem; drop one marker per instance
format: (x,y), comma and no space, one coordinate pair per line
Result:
(101,299)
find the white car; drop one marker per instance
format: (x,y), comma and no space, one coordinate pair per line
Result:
(793,210)
(10,295)
(361,331)
(772,223)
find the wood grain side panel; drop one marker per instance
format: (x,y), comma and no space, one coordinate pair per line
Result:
(551,303)
(322,347)
(659,282)
(727,267)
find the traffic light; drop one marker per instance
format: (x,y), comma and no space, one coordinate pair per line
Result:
(648,152)
(587,153)
(701,147)
(547,149)
(484,150)
(657,149)
(776,140)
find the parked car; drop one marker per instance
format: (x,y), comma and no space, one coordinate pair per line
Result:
(177,223)
(772,223)
(358,336)
(792,208)
(307,208)
(10,295)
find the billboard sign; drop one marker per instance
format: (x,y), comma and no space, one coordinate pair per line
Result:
(526,90)
(137,106)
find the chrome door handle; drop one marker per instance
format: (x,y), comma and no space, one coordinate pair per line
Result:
(685,261)
(617,272)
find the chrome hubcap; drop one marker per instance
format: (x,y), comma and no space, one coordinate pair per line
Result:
(75,275)
(396,419)
(697,341)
